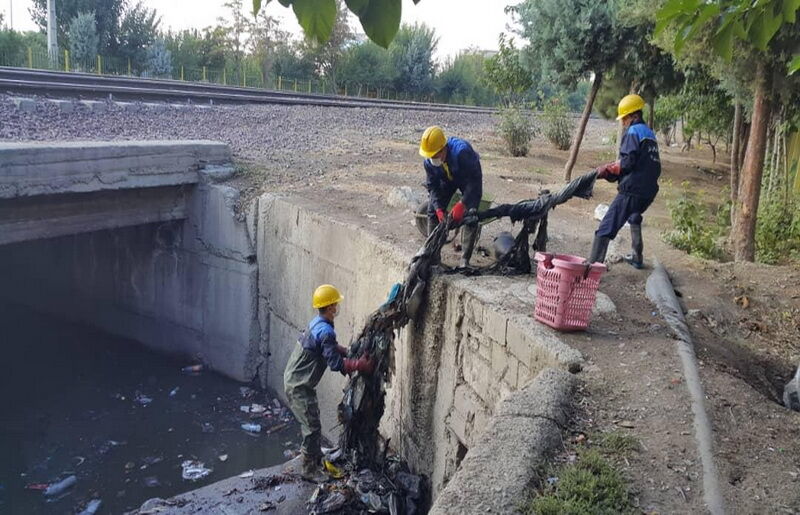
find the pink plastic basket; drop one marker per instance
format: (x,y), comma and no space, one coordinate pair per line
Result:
(566,288)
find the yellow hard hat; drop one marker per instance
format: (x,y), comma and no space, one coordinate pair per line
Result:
(326,295)
(629,104)
(432,142)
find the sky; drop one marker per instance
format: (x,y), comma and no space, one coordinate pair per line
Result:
(460,24)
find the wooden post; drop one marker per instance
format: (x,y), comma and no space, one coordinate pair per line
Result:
(224,76)
(66,60)
(182,73)
(30,57)
(204,73)
(295,85)
(309,85)
(280,80)
(99,65)
(576,142)
(129,67)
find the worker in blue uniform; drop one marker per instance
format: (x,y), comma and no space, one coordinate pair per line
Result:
(316,350)
(637,171)
(451,164)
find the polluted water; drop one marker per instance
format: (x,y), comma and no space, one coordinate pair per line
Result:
(93,423)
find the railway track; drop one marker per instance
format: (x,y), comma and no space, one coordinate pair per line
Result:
(88,86)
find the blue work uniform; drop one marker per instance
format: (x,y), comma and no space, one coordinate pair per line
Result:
(640,168)
(316,350)
(460,171)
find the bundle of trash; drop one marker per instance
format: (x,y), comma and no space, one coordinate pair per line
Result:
(394,490)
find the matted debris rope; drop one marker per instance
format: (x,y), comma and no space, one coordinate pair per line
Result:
(363,405)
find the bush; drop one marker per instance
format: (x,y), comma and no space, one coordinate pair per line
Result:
(83,39)
(558,124)
(159,60)
(777,231)
(591,486)
(696,229)
(517,129)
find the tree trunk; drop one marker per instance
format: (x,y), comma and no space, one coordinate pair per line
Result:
(750,188)
(652,121)
(743,147)
(587,110)
(737,130)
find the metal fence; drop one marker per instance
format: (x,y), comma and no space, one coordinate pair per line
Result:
(248,75)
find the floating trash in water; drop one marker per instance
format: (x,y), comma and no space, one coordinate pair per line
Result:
(142,399)
(246,474)
(207,427)
(192,369)
(289,454)
(246,392)
(223,457)
(253,408)
(194,470)
(60,486)
(174,391)
(252,428)
(36,486)
(91,507)
(151,482)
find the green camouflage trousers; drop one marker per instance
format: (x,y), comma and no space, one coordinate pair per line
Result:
(300,379)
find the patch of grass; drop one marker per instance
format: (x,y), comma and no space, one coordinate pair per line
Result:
(590,486)
(617,443)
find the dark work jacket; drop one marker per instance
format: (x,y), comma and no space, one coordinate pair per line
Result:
(320,339)
(461,170)
(640,164)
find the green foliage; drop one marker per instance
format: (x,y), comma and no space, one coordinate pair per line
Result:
(328,56)
(617,443)
(138,30)
(557,124)
(517,129)
(592,486)
(83,39)
(366,63)
(504,72)
(778,231)
(380,19)
(461,80)
(694,229)
(411,57)
(570,39)
(108,14)
(159,60)
(14,46)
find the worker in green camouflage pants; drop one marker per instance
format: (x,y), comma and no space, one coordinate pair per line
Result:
(317,349)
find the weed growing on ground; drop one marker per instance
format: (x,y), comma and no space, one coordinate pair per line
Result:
(590,486)
(617,443)
(696,228)
(778,231)
(517,129)
(558,125)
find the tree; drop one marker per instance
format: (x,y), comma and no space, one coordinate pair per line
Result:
(236,30)
(572,40)
(159,60)
(380,19)
(505,73)
(138,30)
(462,80)
(411,56)
(107,17)
(366,64)
(754,28)
(265,36)
(328,55)
(83,39)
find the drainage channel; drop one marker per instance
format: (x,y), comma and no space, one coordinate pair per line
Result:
(75,401)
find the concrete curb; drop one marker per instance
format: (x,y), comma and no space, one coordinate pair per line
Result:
(497,472)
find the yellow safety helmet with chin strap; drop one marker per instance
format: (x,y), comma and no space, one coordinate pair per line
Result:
(326,295)
(432,141)
(629,104)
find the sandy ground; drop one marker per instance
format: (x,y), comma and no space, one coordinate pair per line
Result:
(346,162)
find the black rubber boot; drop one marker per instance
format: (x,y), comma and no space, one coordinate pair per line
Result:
(469,237)
(636,259)
(599,249)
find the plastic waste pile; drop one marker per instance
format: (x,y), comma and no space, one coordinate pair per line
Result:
(394,490)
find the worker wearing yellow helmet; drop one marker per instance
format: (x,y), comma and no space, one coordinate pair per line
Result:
(637,170)
(316,350)
(451,164)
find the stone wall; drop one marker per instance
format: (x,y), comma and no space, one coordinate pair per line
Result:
(452,366)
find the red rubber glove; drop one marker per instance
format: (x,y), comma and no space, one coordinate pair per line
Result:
(440,215)
(458,212)
(362,364)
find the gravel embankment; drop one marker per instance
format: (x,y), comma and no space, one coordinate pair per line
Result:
(291,142)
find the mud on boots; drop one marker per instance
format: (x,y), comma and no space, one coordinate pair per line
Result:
(451,164)
(637,171)
(316,350)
